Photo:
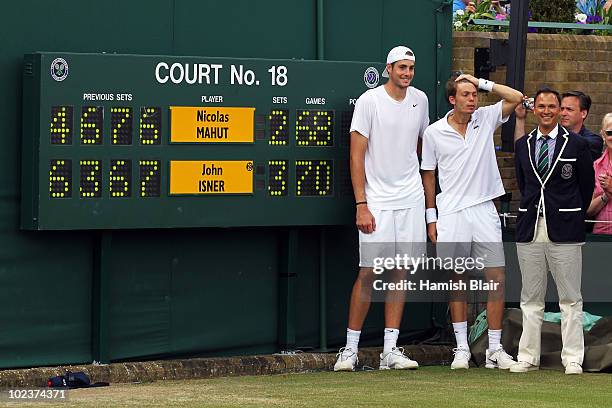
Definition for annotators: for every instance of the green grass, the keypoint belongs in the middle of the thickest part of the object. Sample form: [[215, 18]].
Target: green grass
[[437, 387]]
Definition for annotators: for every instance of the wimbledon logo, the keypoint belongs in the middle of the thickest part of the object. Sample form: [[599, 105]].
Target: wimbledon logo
[[370, 77], [59, 69]]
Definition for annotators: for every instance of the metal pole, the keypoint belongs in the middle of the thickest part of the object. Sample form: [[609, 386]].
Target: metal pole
[[287, 276], [322, 291], [100, 299], [515, 74], [322, 238], [444, 49], [320, 31]]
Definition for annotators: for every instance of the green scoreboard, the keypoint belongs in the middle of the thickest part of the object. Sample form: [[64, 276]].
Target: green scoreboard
[[124, 141]]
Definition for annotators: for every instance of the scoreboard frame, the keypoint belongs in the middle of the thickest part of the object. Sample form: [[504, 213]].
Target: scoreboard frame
[[298, 154]]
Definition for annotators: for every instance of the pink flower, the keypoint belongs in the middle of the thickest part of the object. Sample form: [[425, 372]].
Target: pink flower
[[500, 17]]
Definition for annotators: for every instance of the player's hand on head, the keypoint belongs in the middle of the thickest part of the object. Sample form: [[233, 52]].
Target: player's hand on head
[[468, 77], [365, 220]]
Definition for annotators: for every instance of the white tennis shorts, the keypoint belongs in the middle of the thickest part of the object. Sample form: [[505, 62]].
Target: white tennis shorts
[[398, 233], [472, 232]]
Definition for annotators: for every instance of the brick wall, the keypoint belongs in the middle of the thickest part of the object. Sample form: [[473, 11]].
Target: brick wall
[[564, 62]]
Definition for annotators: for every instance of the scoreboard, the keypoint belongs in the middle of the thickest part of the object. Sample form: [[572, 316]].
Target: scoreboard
[[125, 141]]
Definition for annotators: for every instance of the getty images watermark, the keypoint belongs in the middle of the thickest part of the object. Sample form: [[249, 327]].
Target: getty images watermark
[[472, 271], [413, 264], [426, 277]]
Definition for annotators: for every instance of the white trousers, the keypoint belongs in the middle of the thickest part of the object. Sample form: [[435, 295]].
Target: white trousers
[[565, 263]]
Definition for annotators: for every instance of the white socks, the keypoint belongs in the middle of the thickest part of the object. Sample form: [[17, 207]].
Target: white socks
[[461, 336], [460, 330], [352, 339], [391, 336], [494, 339]]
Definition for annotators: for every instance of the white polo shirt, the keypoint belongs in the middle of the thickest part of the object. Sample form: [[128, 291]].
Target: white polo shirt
[[393, 181], [467, 167]]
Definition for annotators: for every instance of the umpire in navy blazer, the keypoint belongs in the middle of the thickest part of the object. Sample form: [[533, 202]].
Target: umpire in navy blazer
[[567, 188], [555, 174]]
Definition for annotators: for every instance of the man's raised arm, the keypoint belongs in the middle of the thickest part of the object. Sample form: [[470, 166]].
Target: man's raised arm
[[511, 97]]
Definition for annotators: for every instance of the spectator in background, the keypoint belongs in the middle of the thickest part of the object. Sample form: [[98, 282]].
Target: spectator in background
[[466, 5], [499, 8], [575, 106], [520, 113], [470, 6], [601, 208]]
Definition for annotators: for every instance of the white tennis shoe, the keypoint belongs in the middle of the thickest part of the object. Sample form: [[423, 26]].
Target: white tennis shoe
[[397, 360], [499, 359], [347, 360], [462, 359]]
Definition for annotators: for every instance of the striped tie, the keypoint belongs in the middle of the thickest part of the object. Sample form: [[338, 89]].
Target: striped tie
[[543, 157]]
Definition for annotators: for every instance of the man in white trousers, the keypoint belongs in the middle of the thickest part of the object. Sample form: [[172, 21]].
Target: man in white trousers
[[555, 175]]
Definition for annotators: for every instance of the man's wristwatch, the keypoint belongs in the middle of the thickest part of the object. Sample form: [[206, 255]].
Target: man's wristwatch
[[604, 198]]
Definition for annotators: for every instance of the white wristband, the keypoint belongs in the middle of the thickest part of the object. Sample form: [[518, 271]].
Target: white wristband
[[485, 84], [431, 215]]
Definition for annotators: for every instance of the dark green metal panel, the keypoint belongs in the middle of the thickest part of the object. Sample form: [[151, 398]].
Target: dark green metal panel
[[100, 297], [191, 292], [353, 30], [444, 52], [231, 301], [140, 295], [307, 301], [246, 28], [45, 298], [46, 279], [361, 30]]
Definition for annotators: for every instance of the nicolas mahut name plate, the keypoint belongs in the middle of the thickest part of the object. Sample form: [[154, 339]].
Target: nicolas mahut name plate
[[207, 124]]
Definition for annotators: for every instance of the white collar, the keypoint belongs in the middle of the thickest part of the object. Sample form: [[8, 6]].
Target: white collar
[[450, 127], [553, 133]]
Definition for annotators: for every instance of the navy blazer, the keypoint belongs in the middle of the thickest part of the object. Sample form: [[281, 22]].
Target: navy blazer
[[595, 142], [563, 195]]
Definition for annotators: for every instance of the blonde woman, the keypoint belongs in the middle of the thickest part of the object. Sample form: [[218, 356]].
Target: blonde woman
[[601, 206]]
